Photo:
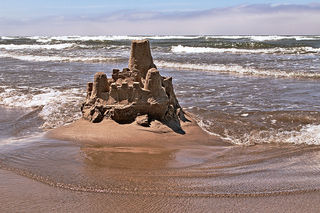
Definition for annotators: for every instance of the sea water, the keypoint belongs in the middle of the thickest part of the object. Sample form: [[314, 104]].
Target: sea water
[[259, 93]]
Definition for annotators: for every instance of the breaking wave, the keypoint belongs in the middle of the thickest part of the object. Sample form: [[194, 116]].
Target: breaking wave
[[278, 50], [309, 135], [279, 127], [237, 69], [106, 38], [58, 107], [162, 37], [267, 38], [60, 58], [36, 46]]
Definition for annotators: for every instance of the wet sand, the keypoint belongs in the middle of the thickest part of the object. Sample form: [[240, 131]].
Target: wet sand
[[108, 132], [107, 167], [21, 194]]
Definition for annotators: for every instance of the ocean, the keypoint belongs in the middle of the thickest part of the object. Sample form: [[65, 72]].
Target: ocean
[[261, 94]]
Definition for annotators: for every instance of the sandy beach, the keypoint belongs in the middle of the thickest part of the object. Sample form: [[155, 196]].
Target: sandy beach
[[249, 143], [39, 197]]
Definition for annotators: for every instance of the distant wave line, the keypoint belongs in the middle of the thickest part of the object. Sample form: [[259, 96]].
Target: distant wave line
[[60, 58], [291, 50], [237, 69], [46, 39]]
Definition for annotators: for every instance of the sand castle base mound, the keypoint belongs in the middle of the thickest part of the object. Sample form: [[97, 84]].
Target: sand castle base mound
[[111, 133]]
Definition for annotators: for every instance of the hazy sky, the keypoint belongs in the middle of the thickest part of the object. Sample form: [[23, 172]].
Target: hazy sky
[[125, 17]]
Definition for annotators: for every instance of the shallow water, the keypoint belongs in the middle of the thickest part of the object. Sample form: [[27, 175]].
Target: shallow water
[[191, 170], [260, 93], [243, 88]]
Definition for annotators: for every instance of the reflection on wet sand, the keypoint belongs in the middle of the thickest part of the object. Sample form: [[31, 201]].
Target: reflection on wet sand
[[190, 170], [38, 197]]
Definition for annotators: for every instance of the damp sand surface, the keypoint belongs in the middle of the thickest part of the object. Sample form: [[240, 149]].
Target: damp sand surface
[[38, 197], [72, 169], [109, 132]]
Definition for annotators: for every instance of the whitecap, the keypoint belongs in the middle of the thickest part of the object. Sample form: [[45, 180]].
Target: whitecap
[[308, 134], [237, 69], [7, 38], [58, 58], [295, 50], [45, 39], [262, 38], [54, 103], [36, 46]]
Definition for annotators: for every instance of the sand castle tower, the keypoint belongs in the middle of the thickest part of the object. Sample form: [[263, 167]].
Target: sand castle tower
[[133, 93], [140, 57]]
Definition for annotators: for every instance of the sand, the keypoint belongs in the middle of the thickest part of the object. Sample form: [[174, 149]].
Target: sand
[[20, 194], [108, 132], [123, 154]]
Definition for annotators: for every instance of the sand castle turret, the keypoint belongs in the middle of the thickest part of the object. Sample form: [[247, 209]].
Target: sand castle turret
[[100, 86], [140, 57], [136, 91]]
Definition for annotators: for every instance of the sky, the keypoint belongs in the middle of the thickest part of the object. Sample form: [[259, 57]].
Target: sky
[[155, 17]]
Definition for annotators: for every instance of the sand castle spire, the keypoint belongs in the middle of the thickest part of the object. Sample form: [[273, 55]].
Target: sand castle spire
[[136, 91], [140, 57]]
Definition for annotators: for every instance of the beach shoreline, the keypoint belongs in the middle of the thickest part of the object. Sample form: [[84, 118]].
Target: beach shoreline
[[253, 145], [37, 196]]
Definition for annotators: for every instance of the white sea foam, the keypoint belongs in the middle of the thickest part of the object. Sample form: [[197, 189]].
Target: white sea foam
[[54, 103], [45, 39], [226, 37], [258, 38], [7, 38], [309, 134], [167, 37], [237, 69], [295, 50], [266, 38], [275, 38], [269, 38], [57, 58], [35, 46], [13, 98]]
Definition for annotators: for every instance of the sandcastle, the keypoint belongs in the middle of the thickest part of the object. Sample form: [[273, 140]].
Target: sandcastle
[[135, 94]]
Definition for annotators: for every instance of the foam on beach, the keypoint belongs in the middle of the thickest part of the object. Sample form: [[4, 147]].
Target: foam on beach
[[307, 135]]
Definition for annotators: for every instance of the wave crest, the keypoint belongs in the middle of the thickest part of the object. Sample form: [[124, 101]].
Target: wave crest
[[60, 58], [53, 103], [278, 50], [237, 69], [45, 39], [36, 46]]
